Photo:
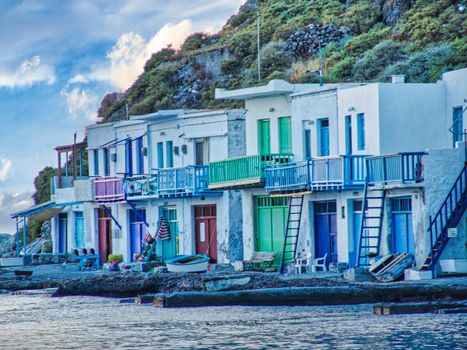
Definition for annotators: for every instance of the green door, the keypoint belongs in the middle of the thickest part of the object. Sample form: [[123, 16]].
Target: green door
[[160, 155], [270, 223], [285, 135], [168, 248], [264, 140]]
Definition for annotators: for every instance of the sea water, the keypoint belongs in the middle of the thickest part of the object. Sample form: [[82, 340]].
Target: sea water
[[103, 323]]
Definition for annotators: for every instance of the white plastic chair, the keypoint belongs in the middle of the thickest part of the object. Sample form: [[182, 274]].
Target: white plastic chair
[[300, 262], [319, 263]]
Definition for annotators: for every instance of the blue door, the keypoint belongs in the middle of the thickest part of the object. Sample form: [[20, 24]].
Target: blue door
[[79, 229], [137, 229], [62, 232], [402, 232], [355, 234], [128, 158], [324, 137], [325, 230]]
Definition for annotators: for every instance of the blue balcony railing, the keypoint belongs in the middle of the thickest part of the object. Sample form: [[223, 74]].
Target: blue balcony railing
[[174, 182], [400, 167], [326, 173]]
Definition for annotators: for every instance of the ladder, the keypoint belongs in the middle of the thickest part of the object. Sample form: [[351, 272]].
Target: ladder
[[371, 224], [292, 231], [448, 216]]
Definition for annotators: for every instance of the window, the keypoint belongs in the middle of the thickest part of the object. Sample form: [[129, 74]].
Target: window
[[361, 131], [129, 158], [457, 127], [139, 155], [169, 147], [307, 143], [323, 136], [201, 152], [96, 162], [106, 162], [264, 143], [160, 155], [348, 134], [285, 135]]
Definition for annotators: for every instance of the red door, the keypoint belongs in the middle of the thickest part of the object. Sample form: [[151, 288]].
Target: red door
[[105, 235], [206, 231]]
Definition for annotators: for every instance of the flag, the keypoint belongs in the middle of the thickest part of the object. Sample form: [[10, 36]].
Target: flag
[[163, 230], [148, 238]]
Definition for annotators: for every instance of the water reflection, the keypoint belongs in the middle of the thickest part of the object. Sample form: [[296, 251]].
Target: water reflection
[[100, 323]]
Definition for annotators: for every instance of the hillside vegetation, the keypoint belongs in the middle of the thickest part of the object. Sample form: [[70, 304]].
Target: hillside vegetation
[[355, 40]]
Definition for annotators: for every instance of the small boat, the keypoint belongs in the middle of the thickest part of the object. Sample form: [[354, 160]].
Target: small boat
[[188, 263]]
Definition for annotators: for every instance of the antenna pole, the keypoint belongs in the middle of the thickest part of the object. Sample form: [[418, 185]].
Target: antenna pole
[[258, 41]]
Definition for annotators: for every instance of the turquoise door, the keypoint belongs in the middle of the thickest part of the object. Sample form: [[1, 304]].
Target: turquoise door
[[79, 229], [169, 248], [355, 232], [402, 232], [324, 137]]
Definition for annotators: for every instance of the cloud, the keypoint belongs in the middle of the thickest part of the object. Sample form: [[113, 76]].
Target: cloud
[[100, 73], [81, 102], [10, 203], [30, 72], [5, 167], [128, 56]]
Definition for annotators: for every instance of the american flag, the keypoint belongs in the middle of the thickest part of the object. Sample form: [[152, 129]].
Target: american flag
[[163, 230]]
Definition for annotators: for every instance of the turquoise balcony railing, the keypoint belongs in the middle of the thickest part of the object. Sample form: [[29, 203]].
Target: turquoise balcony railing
[[317, 174], [243, 171]]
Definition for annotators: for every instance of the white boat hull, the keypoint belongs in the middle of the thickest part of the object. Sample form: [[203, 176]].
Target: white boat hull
[[201, 266]]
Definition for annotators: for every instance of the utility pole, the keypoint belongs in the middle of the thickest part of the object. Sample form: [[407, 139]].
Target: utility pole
[[258, 41]]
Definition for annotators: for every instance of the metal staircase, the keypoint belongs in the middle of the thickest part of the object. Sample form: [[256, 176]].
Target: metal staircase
[[371, 224], [292, 231], [448, 216]]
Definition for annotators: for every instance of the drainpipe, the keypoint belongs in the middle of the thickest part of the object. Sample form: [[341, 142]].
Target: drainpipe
[[17, 238], [25, 234]]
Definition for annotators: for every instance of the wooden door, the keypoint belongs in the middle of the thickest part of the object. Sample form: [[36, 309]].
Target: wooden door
[[264, 142], [79, 230], [137, 230], [168, 248], [62, 233], [285, 135], [105, 235], [402, 231], [206, 231], [326, 230]]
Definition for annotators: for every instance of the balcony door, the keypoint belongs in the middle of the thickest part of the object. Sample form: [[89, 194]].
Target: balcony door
[[129, 158], [264, 136], [285, 135], [323, 130], [202, 152]]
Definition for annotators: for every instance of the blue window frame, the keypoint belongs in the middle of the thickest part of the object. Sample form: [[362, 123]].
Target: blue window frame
[[323, 137], [160, 155], [457, 125], [96, 162], [128, 158], [169, 148], [361, 131], [139, 155], [348, 134], [106, 162]]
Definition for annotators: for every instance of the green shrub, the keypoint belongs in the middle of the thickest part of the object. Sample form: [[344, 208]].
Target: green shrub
[[115, 257], [424, 66], [274, 58], [363, 42], [361, 16], [230, 65], [377, 59], [195, 41]]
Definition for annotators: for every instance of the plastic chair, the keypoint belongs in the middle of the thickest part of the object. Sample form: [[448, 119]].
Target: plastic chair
[[319, 263], [299, 263]]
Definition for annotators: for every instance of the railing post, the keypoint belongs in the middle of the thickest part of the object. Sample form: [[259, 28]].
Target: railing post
[[384, 170], [402, 168]]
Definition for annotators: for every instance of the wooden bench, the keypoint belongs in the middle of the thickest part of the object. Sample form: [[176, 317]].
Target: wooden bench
[[259, 261]]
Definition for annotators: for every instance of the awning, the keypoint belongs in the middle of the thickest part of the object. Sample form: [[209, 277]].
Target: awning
[[40, 212]]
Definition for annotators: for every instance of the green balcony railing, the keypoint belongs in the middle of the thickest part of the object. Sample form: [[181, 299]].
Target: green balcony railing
[[243, 171]]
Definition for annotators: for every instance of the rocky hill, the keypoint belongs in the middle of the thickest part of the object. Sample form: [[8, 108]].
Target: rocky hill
[[354, 40]]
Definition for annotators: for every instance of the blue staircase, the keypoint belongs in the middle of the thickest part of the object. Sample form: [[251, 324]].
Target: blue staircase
[[292, 231], [371, 224], [448, 216]]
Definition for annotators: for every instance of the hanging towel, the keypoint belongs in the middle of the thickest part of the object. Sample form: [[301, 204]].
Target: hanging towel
[[163, 230]]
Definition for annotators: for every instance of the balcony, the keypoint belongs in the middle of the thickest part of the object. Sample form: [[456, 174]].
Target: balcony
[[243, 171], [65, 192], [317, 174], [396, 168], [108, 190], [168, 183]]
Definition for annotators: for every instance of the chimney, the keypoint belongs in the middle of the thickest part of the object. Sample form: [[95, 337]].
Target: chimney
[[398, 79]]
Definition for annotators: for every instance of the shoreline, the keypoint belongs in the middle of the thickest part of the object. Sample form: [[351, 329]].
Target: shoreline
[[257, 288]]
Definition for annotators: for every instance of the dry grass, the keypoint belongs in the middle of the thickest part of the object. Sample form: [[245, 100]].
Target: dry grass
[[300, 68]]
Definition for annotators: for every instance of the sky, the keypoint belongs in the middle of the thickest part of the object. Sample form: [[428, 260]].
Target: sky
[[57, 61]]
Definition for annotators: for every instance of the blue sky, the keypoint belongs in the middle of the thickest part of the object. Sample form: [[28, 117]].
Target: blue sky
[[58, 60]]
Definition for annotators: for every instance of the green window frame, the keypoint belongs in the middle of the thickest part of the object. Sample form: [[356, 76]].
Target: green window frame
[[361, 131], [285, 135], [160, 155]]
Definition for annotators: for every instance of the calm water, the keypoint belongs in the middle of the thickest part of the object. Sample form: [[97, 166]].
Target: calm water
[[101, 323]]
